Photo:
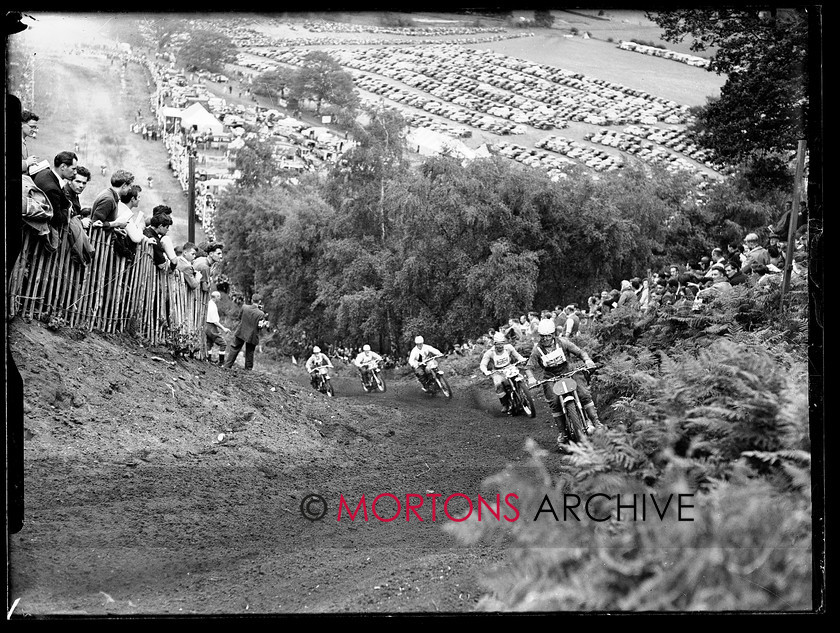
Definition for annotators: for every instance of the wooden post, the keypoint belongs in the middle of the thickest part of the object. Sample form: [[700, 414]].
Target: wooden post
[[191, 199], [793, 219]]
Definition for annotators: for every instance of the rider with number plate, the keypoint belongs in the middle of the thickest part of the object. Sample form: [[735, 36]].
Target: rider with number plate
[[550, 357], [500, 355], [419, 354], [365, 357], [314, 362]]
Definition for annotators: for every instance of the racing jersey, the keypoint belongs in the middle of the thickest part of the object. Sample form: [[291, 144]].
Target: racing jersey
[[366, 357], [502, 359], [317, 360], [420, 354], [555, 359]]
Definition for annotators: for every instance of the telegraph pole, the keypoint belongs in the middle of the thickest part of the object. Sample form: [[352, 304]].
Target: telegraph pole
[[191, 197]]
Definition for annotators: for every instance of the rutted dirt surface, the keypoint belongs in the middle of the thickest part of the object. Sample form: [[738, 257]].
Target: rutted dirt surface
[[134, 506]]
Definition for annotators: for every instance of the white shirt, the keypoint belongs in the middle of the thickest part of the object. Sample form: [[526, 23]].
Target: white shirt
[[213, 313], [418, 354]]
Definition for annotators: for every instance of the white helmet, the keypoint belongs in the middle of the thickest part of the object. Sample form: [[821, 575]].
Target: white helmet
[[418, 340], [366, 348], [498, 337], [545, 327], [316, 350]]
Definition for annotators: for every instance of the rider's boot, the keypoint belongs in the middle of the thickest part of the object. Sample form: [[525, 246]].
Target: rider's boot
[[505, 400], [592, 414]]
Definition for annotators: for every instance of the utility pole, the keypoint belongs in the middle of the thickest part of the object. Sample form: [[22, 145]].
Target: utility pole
[[191, 197]]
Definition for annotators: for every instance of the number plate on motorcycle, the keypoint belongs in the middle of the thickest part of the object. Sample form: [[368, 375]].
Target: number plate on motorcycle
[[564, 386]]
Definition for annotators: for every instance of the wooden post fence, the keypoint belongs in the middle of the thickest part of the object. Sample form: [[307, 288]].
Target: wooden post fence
[[112, 294]]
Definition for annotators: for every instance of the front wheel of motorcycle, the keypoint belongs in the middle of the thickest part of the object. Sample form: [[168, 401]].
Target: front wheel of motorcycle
[[574, 425], [380, 382], [441, 381], [527, 401]]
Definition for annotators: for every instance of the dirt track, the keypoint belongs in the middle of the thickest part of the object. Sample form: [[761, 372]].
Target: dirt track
[[132, 506]]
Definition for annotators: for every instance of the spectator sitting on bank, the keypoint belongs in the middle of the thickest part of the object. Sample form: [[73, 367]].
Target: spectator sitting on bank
[[719, 285], [628, 295], [756, 253], [734, 274]]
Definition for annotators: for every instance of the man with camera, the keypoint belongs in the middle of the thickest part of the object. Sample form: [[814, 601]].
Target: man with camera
[[247, 333]]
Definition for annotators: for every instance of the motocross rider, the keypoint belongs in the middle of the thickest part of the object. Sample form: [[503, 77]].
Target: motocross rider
[[550, 358], [500, 355], [314, 362], [420, 353], [366, 356]]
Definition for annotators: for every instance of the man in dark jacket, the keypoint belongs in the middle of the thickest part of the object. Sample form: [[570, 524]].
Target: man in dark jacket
[[247, 333], [734, 275], [52, 181], [104, 209]]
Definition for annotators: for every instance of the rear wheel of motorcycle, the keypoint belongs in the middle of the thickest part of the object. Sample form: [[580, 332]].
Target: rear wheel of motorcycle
[[329, 391], [380, 382], [440, 379], [527, 401], [574, 425]]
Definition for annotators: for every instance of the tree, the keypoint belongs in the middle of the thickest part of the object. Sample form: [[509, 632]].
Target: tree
[[273, 83], [256, 163], [207, 50], [763, 106], [161, 30], [322, 79]]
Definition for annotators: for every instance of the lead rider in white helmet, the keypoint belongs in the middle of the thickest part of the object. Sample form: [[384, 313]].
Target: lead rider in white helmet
[[419, 354], [500, 355], [365, 357], [550, 357], [314, 362]]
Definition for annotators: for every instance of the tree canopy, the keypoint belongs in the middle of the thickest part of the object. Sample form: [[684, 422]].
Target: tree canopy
[[322, 79], [207, 50], [763, 106]]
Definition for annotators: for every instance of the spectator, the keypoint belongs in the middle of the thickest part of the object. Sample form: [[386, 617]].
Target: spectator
[[718, 257], [209, 265], [53, 181], [73, 189], [644, 294], [572, 326], [166, 241], [719, 285], [213, 329], [105, 207], [764, 276], [774, 250], [28, 129], [734, 274], [158, 227], [185, 267], [247, 333], [129, 212], [755, 254], [628, 295]]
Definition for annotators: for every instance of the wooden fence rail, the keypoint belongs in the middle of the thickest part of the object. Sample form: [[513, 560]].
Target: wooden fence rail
[[111, 294]]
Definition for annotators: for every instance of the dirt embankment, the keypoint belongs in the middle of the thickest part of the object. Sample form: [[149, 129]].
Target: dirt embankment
[[161, 487]]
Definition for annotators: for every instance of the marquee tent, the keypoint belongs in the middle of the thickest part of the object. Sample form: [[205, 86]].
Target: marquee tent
[[196, 114]]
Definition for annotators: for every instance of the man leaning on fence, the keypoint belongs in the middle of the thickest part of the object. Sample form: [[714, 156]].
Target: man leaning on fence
[[105, 208]]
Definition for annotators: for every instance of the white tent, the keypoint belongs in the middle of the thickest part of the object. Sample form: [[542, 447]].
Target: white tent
[[428, 142], [196, 114]]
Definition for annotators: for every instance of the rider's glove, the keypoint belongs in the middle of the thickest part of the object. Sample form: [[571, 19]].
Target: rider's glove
[[532, 382], [486, 373], [590, 364]]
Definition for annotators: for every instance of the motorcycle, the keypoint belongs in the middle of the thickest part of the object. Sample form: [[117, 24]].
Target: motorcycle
[[519, 398], [434, 380], [371, 376], [565, 388], [323, 382]]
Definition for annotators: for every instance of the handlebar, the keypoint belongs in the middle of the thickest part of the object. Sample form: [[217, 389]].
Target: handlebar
[[430, 358], [568, 374], [521, 362]]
